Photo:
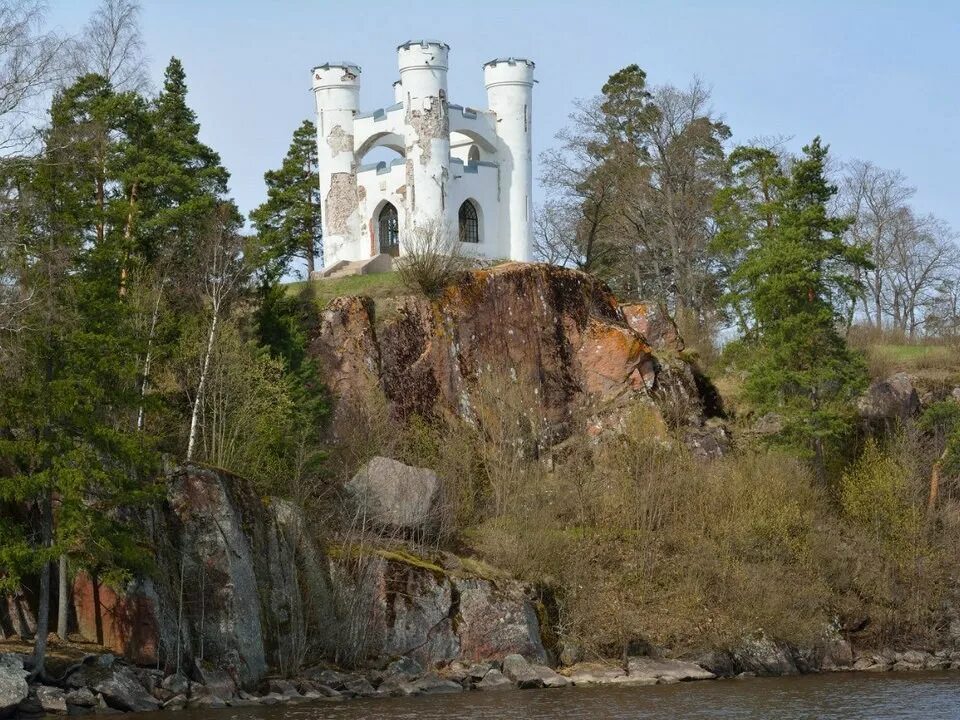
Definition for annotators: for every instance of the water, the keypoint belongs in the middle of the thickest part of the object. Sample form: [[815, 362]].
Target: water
[[852, 696]]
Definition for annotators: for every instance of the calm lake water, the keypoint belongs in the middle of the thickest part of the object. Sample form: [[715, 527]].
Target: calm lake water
[[848, 696]]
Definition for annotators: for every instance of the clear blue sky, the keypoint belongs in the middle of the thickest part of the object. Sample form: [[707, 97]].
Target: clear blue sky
[[879, 80]]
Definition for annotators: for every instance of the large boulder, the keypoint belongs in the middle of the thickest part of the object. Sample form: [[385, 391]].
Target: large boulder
[[495, 620], [666, 671], [116, 682], [13, 683], [396, 497], [889, 401], [765, 657]]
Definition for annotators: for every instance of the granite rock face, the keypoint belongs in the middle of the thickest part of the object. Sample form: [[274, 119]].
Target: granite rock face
[[557, 330], [235, 558], [390, 604]]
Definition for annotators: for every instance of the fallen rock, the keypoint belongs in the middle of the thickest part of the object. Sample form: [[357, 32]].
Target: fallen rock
[[178, 702], [550, 677], [597, 674], [394, 496], [216, 681], [176, 683], [117, 684], [399, 686], [764, 657], [208, 701], [478, 671], [837, 654], [433, 684], [517, 669], [404, 666], [494, 680], [456, 671], [53, 700], [13, 683], [666, 671], [889, 401], [279, 686], [81, 697]]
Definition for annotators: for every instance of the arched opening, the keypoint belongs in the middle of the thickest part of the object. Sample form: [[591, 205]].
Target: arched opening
[[469, 223], [473, 155], [388, 230]]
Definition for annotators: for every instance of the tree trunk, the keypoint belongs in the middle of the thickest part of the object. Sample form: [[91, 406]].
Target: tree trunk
[[819, 463], [145, 383], [201, 386], [127, 235], [16, 619], [43, 601], [63, 598]]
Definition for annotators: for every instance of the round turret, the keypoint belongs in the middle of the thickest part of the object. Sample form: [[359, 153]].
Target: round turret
[[509, 83], [508, 71], [423, 68], [336, 87]]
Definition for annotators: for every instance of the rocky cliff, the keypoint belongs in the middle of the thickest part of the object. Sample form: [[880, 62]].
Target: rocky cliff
[[240, 585], [558, 332]]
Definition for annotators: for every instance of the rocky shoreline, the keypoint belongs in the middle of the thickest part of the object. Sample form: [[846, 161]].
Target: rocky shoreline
[[108, 684]]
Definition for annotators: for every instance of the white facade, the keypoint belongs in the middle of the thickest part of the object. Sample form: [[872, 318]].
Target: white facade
[[470, 169]]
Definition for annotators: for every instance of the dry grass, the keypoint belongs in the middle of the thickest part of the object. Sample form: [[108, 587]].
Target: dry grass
[[640, 543]]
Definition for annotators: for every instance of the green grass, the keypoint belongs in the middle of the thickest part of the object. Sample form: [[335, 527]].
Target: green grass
[[911, 354], [378, 286]]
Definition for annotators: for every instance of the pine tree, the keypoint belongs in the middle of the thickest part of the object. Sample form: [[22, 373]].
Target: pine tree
[[65, 428], [792, 271], [184, 179], [288, 223]]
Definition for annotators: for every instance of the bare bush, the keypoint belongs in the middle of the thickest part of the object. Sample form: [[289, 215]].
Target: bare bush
[[432, 257]]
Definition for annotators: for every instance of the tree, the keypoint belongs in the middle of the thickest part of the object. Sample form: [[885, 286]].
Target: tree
[[288, 223], [922, 256], [793, 271], [633, 185], [65, 414], [667, 219], [112, 46], [584, 187], [29, 58], [222, 270], [875, 199]]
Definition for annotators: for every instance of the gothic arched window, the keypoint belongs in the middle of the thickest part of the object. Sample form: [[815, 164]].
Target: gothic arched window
[[473, 155], [388, 230], [469, 223]]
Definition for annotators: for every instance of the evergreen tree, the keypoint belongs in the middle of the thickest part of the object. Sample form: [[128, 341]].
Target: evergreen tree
[[288, 223], [65, 433], [184, 178], [792, 269]]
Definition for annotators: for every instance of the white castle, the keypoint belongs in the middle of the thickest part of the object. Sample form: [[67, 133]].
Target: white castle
[[468, 169]]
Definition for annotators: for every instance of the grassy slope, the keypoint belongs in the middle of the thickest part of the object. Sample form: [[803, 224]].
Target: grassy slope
[[376, 286]]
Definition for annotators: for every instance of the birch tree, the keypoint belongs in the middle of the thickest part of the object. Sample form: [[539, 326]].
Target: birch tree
[[222, 271]]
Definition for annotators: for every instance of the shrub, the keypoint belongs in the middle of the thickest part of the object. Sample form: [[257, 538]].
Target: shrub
[[432, 258]]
